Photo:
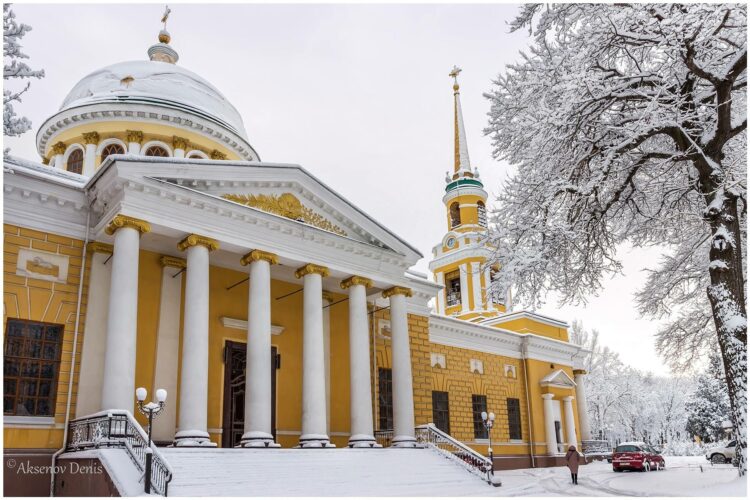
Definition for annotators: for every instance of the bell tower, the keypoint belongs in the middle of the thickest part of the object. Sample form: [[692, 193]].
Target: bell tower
[[459, 260]]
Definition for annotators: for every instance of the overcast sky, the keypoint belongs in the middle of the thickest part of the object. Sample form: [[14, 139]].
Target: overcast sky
[[358, 95]]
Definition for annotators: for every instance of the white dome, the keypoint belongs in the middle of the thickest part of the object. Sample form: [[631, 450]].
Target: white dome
[[156, 83]]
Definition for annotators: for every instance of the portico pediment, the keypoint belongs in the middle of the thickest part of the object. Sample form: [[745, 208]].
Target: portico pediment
[[557, 378]]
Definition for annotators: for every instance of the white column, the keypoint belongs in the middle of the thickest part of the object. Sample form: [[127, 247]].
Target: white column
[[403, 396], [95, 333], [58, 162], [258, 396], [135, 138], [118, 384], [327, 300], [193, 410], [488, 288], [179, 146], [313, 363], [476, 286], [462, 271], [583, 413], [168, 344], [440, 299], [570, 422], [360, 391], [549, 424]]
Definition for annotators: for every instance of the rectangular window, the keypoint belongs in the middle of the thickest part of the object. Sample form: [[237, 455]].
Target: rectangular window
[[385, 399], [514, 418], [440, 412], [453, 288], [32, 363], [479, 405]]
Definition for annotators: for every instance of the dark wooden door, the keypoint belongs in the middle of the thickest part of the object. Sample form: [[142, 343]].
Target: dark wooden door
[[235, 358]]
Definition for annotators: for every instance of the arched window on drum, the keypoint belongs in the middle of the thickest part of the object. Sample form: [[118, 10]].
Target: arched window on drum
[[75, 161], [482, 214], [455, 212], [112, 149], [157, 151]]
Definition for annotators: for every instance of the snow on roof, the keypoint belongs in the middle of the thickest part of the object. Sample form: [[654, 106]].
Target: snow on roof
[[36, 169]]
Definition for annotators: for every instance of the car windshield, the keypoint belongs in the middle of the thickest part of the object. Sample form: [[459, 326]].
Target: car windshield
[[627, 447]]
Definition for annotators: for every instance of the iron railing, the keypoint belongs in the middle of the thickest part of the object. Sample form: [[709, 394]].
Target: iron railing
[[595, 447], [432, 437], [384, 437], [118, 429]]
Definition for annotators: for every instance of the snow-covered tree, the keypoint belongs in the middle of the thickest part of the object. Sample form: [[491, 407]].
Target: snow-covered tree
[[627, 124], [708, 406], [14, 67]]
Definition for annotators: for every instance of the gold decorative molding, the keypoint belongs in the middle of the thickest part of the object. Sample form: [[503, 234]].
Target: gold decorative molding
[[98, 246], [134, 136], [196, 239], [218, 155], [169, 261], [40, 266], [269, 257], [121, 221], [356, 280], [90, 138], [579, 372], [286, 205], [328, 296], [45, 161], [180, 143], [397, 290], [311, 269], [58, 148]]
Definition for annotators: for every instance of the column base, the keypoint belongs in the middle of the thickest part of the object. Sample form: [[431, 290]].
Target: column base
[[257, 439], [405, 442], [363, 441], [314, 441], [193, 439]]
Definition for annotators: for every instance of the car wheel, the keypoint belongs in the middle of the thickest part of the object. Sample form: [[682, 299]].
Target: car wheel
[[616, 469], [718, 458]]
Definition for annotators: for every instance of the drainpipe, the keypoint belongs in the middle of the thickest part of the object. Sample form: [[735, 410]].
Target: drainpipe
[[524, 349], [73, 356]]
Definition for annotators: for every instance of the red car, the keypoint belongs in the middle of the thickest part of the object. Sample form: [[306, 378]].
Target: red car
[[636, 456]]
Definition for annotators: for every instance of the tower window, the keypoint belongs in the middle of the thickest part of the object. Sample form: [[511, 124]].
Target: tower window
[[75, 161], [455, 212], [453, 288], [482, 214], [514, 418], [112, 149], [441, 411], [479, 405], [157, 151]]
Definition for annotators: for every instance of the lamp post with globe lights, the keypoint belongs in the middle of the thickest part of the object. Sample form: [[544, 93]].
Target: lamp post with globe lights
[[150, 410], [488, 419]]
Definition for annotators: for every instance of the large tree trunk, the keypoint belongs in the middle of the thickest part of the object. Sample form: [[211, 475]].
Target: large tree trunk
[[727, 296]]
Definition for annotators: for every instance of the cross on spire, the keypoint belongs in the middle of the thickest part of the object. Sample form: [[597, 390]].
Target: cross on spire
[[454, 73], [164, 17]]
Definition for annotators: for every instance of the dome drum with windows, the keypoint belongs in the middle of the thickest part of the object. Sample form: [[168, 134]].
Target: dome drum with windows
[[151, 107]]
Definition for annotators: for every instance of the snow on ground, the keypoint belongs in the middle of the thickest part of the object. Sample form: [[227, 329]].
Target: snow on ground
[[394, 472]]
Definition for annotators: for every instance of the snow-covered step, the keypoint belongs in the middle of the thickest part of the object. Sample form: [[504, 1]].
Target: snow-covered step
[[319, 472]]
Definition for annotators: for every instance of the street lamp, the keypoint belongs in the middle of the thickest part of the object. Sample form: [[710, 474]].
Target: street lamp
[[150, 410], [488, 419]]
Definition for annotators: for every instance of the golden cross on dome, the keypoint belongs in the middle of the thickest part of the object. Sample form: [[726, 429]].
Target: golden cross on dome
[[164, 18], [454, 73]]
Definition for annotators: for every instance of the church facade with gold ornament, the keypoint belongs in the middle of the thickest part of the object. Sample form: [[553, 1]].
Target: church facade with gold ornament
[[152, 247]]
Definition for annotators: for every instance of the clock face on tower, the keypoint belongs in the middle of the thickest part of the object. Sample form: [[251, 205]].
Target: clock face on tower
[[451, 242]]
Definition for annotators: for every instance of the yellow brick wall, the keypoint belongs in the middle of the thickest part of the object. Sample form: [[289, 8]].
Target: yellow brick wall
[[39, 300]]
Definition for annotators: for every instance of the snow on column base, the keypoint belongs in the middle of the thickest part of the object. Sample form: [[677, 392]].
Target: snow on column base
[[193, 439], [257, 439], [405, 442], [363, 441], [314, 441]]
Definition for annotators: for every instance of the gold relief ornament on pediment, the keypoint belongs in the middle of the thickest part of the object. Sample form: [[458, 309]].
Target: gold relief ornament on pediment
[[286, 205]]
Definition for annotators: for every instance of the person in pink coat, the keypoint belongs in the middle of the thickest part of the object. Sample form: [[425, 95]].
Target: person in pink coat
[[572, 458]]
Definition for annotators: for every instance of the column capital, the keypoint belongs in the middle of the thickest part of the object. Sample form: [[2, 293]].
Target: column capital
[[568, 399], [217, 155], [549, 395], [90, 138], [169, 261], [254, 255], [580, 372], [192, 240], [311, 269], [58, 148], [328, 296], [134, 136], [397, 290], [355, 280], [98, 246], [121, 221], [180, 143]]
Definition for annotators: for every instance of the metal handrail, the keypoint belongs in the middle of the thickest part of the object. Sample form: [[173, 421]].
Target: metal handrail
[[384, 437], [119, 429], [433, 437]]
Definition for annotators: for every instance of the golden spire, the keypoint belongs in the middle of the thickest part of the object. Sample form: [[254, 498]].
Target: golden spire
[[162, 52], [461, 151], [164, 34]]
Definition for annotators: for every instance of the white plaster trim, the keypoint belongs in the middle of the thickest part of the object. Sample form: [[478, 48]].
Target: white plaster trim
[[197, 152], [160, 144], [464, 190], [504, 318], [215, 430], [241, 324], [111, 140], [22, 422], [68, 151]]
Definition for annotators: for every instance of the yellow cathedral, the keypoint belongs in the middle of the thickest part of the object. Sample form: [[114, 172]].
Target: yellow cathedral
[[150, 246]]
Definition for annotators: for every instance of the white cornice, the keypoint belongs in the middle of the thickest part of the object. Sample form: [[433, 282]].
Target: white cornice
[[241, 324], [539, 318], [464, 191], [467, 252]]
